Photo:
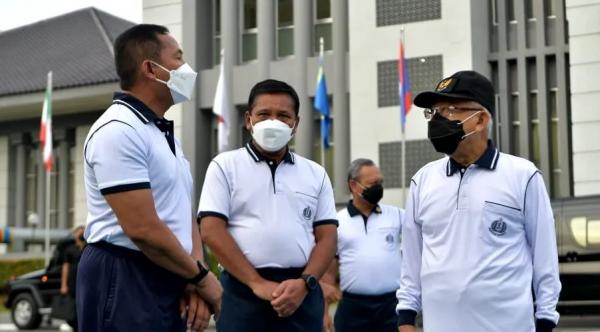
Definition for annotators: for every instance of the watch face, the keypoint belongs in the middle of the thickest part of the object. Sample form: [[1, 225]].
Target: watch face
[[311, 282]]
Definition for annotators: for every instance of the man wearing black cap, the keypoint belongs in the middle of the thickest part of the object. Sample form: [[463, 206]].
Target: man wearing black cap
[[479, 231]]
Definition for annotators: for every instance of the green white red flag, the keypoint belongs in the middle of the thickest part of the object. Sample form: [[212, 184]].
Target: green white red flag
[[46, 125]]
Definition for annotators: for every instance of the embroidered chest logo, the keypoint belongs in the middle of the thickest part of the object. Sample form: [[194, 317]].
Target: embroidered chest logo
[[389, 239], [307, 213], [498, 227]]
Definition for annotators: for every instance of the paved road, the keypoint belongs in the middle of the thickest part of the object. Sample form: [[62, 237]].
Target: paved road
[[568, 324]]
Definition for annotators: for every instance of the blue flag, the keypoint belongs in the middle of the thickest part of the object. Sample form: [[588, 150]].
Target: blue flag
[[321, 103]]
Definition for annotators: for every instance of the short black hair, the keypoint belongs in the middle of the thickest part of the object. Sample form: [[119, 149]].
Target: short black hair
[[133, 46], [271, 86]]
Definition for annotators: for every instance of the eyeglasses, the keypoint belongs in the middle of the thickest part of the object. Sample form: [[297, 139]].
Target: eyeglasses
[[449, 111]]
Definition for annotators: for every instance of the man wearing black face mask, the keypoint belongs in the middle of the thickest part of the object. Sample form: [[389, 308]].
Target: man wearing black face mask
[[368, 254], [479, 231]]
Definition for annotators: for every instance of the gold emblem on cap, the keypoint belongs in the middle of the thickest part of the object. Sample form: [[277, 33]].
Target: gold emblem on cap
[[443, 84]]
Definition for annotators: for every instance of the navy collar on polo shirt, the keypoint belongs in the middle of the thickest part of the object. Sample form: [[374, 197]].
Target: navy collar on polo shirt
[[354, 211], [145, 114], [258, 156], [488, 160]]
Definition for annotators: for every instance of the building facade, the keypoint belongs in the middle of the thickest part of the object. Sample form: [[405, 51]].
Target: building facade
[[538, 54]]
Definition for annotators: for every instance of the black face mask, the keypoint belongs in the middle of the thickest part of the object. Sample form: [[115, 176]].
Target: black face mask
[[444, 134], [373, 194]]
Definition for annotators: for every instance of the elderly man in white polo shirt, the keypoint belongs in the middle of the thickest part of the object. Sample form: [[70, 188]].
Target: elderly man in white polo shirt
[[144, 252], [268, 215], [369, 255], [479, 231]]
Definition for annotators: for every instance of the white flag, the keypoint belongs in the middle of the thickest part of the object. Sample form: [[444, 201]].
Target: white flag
[[221, 108]]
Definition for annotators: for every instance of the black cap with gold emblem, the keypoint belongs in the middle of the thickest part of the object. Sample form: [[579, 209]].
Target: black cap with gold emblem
[[465, 85]]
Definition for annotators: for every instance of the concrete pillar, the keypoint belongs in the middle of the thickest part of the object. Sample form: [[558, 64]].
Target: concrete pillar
[[230, 33], [63, 163], [197, 23], [341, 112], [4, 176], [266, 37], [302, 50], [19, 141]]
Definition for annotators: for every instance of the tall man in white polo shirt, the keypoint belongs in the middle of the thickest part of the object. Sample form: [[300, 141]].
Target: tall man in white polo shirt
[[268, 215], [479, 231], [369, 254], [143, 242]]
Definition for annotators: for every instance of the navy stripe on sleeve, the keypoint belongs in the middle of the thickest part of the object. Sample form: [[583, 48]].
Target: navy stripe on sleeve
[[325, 222], [544, 325], [125, 187], [203, 214], [407, 317]]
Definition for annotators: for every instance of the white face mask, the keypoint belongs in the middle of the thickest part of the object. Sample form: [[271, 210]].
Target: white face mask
[[181, 82], [271, 135]]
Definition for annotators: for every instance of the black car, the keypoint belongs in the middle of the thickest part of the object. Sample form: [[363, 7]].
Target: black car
[[30, 295], [578, 237]]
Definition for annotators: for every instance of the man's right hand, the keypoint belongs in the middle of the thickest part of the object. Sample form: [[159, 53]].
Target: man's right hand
[[407, 328], [210, 290], [264, 289]]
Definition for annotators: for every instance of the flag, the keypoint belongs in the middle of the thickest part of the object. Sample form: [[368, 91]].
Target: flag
[[221, 108], [403, 87], [46, 125], [321, 102]]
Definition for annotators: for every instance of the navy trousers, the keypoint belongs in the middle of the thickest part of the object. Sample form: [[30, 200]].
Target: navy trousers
[[120, 289], [242, 311], [373, 313]]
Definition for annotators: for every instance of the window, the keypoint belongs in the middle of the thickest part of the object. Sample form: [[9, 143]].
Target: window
[[586, 232], [323, 21], [217, 32], [529, 12], [423, 72], [418, 153], [391, 12], [31, 179], [510, 11], [513, 89], [549, 8], [249, 38], [285, 28]]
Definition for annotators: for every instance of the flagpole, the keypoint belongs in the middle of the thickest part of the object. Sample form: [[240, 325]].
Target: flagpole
[[403, 134], [47, 220], [321, 43], [47, 205]]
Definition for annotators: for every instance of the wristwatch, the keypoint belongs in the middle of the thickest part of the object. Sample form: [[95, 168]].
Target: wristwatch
[[310, 281], [203, 273]]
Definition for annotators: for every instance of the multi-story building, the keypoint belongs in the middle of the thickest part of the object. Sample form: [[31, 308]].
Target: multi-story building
[[538, 53]]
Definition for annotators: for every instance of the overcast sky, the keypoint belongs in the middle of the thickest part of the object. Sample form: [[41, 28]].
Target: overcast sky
[[16, 13]]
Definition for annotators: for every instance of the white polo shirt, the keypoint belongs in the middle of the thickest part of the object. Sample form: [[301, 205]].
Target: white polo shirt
[[270, 209], [369, 250], [126, 150], [475, 241]]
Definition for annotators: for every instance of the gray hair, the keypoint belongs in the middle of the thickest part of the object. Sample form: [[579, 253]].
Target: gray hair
[[356, 165]]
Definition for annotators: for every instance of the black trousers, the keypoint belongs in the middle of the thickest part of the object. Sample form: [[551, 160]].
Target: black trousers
[[373, 313], [120, 289], [242, 311]]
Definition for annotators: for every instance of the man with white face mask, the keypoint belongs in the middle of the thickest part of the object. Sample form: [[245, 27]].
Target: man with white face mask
[[478, 240], [269, 217], [143, 268]]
